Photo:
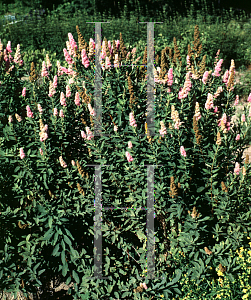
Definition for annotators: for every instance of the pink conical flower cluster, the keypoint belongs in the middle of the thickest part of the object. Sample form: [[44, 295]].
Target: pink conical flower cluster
[[39, 107], [55, 112], [209, 103], [19, 119], [60, 72], [187, 87], [238, 137], [170, 77], [218, 68], [72, 42], [67, 56], [61, 113], [162, 131], [29, 112], [24, 92], [175, 118], [62, 162], [182, 151], [103, 52], [236, 100], [107, 63], [62, 99], [77, 99], [89, 134], [115, 128], [129, 144], [8, 47], [85, 60], [205, 77], [116, 61], [55, 81], [10, 119], [41, 151], [249, 98], [237, 168], [128, 156], [52, 90], [225, 77], [68, 92], [22, 155], [224, 123], [43, 133], [91, 47], [17, 57], [132, 120], [44, 72], [91, 110]]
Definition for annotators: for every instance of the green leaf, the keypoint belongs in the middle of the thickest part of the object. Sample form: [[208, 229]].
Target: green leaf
[[55, 251], [67, 240], [75, 276], [200, 189]]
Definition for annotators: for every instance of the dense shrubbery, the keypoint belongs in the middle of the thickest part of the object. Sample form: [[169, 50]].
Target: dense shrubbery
[[202, 189]]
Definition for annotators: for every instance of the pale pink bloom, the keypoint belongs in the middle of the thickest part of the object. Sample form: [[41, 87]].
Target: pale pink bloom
[[219, 90], [236, 100], [61, 113], [107, 63], [62, 99], [68, 91], [67, 56], [51, 90], [8, 47], [130, 144], [209, 103], [162, 131], [44, 70], [10, 119], [29, 112], [19, 119], [22, 155], [237, 137], [116, 61], [224, 118], [170, 77], [205, 76], [59, 69], [85, 60], [24, 92], [83, 85], [45, 127], [71, 81], [55, 112], [62, 163], [103, 52], [41, 151], [144, 285], [83, 135], [73, 162], [249, 98], [182, 151], [225, 76], [109, 46], [237, 168], [72, 41], [89, 133], [215, 109], [39, 107], [55, 81], [115, 128], [249, 115], [91, 110], [218, 68], [128, 156], [49, 65], [197, 111], [183, 92], [243, 118], [77, 99], [117, 44], [188, 60], [132, 120]]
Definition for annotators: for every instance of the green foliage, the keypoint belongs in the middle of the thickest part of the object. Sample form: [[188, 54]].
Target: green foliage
[[47, 208]]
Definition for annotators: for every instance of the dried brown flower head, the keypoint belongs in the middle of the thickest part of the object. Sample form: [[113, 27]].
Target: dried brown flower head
[[176, 53], [174, 191], [223, 187], [33, 75], [247, 159], [81, 42], [208, 252], [196, 130]]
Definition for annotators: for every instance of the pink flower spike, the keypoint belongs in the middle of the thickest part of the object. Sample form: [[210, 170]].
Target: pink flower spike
[[132, 120], [249, 98], [55, 81], [8, 47], [44, 72], [62, 99], [237, 137], [129, 157], [216, 109], [61, 113], [29, 112], [10, 119], [236, 100], [85, 60], [130, 144], [41, 151], [22, 155], [39, 107], [237, 168], [24, 92], [73, 163], [89, 133], [182, 151], [204, 78], [77, 99], [68, 91], [107, 63], [115, 128], [243, 118], [55, 112], [170, 77], [62, 163]]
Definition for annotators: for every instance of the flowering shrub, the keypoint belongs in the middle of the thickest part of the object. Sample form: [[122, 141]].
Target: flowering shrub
[[48, 142]]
